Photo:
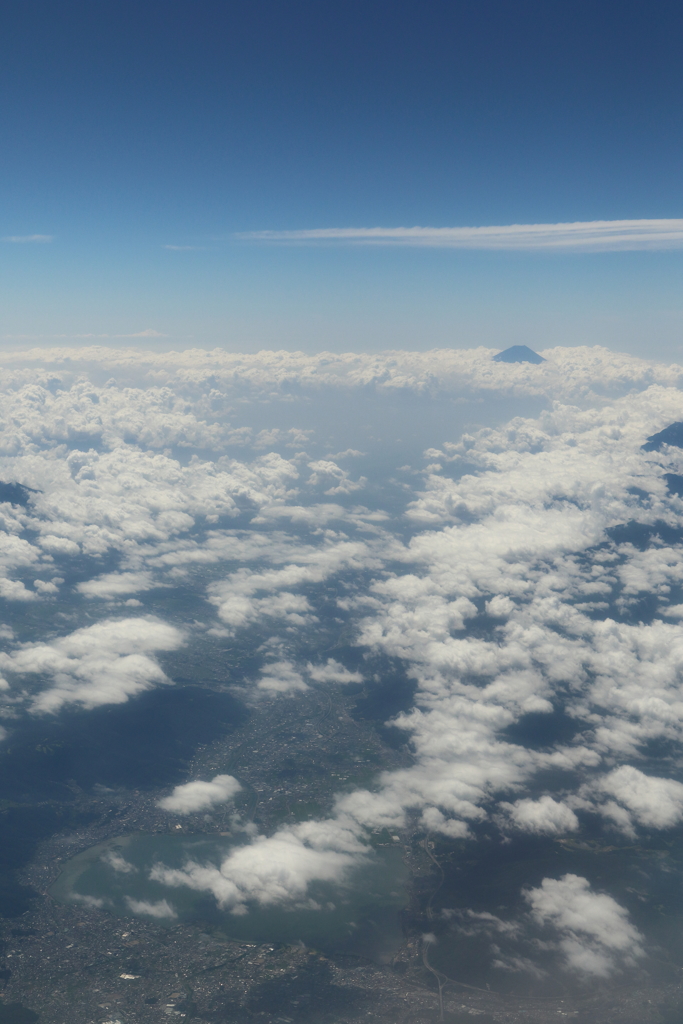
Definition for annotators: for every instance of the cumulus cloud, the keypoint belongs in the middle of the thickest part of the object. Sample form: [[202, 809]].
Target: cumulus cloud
[[160, 909], [14, 590], [116, 584], [434, 821], [281, 677], [332, 478], [48, 586], [88, 901], [238, 609], [274, 870], [248, 596], [500, 607], [596, 936], [332, 672], [645, 799], [102, 664], [581, 236], [59, 545], [200, 796], [118, 863], [544, 816]]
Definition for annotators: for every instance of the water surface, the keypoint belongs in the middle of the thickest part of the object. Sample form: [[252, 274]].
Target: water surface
[[360, 916]]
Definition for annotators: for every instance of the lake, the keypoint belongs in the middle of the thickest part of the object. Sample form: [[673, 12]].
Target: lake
[[360, 916]]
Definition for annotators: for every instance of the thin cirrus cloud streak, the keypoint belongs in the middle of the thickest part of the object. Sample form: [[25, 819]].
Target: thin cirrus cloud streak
[[149, 332], [580, 236], [28, 238]]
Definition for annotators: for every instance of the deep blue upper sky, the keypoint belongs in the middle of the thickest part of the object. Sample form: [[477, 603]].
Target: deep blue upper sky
[[127, 127]]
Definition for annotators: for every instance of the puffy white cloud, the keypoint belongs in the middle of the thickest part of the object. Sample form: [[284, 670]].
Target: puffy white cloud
[[333, 672], [596, 936], [116, 584], [118, 863], [153, 417], [16, 553], [545, 816], [479, 918], [48, 586], [274, 869], [651, 801], [500, 607], [381, 809], [238, 610], [58, 545], [199, 796], [142, 504], [434, 821], [281, 677], [651, 572], [332, 478], [14, 590], [160, 909], [88, 901], [248, 595], [636, 683], [101, 664]]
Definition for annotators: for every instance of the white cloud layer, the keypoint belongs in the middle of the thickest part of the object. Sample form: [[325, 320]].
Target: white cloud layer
[[503, 579], [185, 397]]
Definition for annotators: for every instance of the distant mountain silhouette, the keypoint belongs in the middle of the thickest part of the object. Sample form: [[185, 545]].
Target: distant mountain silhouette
[[673, 435], [518, 354]]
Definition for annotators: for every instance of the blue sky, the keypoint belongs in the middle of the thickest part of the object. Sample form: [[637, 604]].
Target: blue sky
[[127, 128]]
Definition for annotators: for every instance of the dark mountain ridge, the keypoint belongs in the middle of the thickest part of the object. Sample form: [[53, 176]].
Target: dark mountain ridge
[[673, 435]]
